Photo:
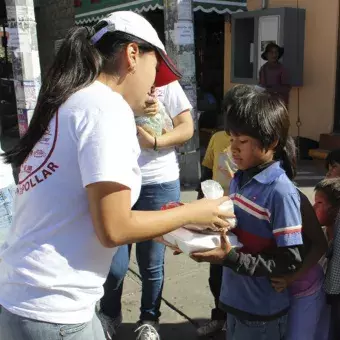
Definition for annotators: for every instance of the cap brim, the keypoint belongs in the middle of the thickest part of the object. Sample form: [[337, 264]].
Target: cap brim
[[167, 71]]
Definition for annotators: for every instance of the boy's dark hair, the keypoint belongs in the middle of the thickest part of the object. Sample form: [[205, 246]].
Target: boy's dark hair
[[332, 158], [77, 64], [252, 111], [331, 188]]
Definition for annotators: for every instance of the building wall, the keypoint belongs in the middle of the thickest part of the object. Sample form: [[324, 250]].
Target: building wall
[[315, 100], [54, 19]]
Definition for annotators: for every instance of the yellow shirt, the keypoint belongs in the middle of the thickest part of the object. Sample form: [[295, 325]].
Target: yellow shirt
[[218, 159]]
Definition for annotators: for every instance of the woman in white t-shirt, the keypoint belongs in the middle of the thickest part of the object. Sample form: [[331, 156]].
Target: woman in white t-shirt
[[160, 185], [78, 180]]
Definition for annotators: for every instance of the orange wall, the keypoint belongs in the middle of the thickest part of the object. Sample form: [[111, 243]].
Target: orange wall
[[316, 96]]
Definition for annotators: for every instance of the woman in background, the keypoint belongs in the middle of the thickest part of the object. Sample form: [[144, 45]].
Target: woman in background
[[273, 75]]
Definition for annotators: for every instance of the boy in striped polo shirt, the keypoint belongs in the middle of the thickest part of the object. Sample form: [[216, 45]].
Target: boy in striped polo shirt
[[267, 207]]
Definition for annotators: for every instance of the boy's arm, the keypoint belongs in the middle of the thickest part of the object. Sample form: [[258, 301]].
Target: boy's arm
[[280, 261], [287, 257], [315, 239]]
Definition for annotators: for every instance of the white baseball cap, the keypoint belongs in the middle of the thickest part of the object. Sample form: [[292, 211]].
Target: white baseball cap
[[134, 24]]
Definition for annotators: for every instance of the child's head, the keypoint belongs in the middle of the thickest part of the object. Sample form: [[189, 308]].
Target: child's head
[[327, 200], [333, 164], [258, 125], [272, 53]]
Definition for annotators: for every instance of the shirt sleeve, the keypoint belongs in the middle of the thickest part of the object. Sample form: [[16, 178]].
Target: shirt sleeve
[[278, 261], [175, 99], [286, 219], [107, 145], [208, 160]]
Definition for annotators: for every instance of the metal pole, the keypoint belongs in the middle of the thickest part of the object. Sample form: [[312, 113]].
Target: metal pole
[[23, 46], [180, 44]]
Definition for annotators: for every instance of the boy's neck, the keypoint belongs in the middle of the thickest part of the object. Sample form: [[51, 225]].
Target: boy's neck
[[248, 174], [261, 166]]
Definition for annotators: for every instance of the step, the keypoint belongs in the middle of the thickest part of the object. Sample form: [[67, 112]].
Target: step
[[318, 153]]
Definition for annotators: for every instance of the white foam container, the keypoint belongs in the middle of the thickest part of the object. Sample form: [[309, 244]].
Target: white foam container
[[190, 242]]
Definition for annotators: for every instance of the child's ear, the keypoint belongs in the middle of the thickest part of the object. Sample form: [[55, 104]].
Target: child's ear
[[274, 145]]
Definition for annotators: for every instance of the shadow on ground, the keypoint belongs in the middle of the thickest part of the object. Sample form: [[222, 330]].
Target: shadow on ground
[[169, 331]]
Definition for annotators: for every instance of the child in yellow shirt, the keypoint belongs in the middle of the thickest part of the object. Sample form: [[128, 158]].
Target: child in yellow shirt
[[218, 160], [217, 165]]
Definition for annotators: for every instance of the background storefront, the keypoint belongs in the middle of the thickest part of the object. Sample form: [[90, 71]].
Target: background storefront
[[312, 108]]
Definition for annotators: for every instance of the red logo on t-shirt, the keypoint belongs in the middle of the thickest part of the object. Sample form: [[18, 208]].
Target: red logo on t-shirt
[[39, 153], [38, 166]]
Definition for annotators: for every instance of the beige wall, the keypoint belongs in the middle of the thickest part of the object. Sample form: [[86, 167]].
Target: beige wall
[[316, 96]]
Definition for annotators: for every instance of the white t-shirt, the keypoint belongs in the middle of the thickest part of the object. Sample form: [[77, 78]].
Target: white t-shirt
[[6, 173], [162, 166], [52, 266]]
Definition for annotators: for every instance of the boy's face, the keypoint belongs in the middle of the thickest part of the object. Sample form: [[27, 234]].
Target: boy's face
[[323, 209], [247, 152], [333, 170]]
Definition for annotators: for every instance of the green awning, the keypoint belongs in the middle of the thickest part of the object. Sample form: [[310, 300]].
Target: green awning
[[91, 12], [219, 6]]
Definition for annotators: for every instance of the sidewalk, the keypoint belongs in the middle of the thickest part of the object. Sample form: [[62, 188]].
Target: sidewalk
[[186, 298]]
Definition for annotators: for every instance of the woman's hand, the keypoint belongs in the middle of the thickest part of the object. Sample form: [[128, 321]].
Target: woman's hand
[[207, 212], [146, 140], [151, 106], [215, 256], [175, 249]]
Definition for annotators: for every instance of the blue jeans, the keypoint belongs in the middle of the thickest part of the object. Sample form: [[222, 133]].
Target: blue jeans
[[14, 327], [150, 258], [6, 210], [255, 330]]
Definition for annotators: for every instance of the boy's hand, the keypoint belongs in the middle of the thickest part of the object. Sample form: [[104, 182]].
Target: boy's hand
[[282, 283], [215, 256]]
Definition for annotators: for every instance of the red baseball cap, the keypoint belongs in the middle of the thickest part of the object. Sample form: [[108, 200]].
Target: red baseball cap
[[134, 24]]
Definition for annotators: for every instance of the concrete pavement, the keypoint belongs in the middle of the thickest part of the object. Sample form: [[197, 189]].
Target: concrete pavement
[[186, 298]]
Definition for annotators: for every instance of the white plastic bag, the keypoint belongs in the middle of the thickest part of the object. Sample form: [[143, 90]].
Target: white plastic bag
[[190, 242], [157, 124], [213, 190]]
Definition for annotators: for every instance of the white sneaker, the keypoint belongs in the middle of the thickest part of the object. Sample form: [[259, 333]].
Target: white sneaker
[[147, 330], [211, 328], [110, 325]]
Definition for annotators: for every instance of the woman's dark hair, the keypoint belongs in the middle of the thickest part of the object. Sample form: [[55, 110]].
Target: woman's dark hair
[[252, 111], [330, 187], [77, 64], [332, 159]]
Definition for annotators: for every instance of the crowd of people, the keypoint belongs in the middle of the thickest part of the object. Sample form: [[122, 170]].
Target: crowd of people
[[92, 183]]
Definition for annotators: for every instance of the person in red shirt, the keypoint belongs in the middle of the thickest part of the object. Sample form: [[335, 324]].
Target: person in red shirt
[[273, 75]]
